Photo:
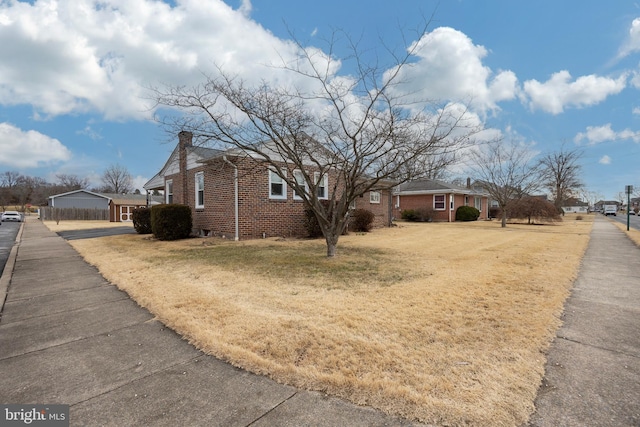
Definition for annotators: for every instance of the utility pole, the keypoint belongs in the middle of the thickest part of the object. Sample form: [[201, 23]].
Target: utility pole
[[628, 189]]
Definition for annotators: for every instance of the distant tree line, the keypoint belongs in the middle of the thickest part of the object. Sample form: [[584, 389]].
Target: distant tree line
[[23, 190]]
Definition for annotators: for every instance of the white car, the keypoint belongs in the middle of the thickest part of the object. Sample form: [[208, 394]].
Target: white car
[[11, 216]]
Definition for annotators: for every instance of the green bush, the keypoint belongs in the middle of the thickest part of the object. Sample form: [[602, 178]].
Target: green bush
[[142, 220], [409, 215], [171, 222], [418, 215], [362, 220], [467, 213]]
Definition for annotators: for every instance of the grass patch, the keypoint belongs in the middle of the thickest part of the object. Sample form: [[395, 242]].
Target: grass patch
[[302, 262], [442, 323]]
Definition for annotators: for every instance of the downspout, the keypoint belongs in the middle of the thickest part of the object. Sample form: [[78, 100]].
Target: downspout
[[235, 195]]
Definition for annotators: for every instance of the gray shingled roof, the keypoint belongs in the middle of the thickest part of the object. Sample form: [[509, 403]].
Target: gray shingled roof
[[432, 185]]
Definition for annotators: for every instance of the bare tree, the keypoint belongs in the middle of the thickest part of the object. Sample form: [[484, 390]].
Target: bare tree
[[69, 182], [591, 197], [30, 190], [117, 179], [360, 129], [560, 172], [10, 179], [507, 172]]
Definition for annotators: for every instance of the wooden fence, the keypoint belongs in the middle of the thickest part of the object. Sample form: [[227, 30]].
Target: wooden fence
[[73, 214]]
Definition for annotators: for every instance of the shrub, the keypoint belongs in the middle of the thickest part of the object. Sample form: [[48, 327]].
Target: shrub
[[409, 215], [579, 218], [467, 213], [311, 224], [142, 220], [362, 220], [171, 222], [418, 215]]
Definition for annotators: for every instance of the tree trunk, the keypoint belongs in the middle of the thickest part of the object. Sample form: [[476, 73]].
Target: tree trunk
[[332, 244], [504, 217]]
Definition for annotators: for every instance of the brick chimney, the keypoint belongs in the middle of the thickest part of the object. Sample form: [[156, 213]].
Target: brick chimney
[[185, 140], [468, 183]]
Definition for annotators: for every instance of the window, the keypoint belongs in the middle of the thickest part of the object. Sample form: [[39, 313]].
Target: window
[[322, 185], [168, 190], [477, 203], [277, 186], [374, 197], [199, 190], [438, 202], [298, 175]]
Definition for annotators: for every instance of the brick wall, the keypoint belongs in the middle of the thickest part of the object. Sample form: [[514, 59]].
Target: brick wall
[[380, 210]]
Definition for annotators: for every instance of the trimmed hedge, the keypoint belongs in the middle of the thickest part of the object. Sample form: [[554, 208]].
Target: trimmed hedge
[[467, 213], [171, 222], [418, 215], [142, 220]]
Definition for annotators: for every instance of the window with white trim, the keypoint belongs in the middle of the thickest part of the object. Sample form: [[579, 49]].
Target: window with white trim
[[168, 191], [298, 175], [277, 186], [199, 178], [477, 202], [439, 202], [322, 183], [374, 197]]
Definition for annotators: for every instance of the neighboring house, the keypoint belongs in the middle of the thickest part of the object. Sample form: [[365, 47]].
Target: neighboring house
[[441, 197], [120, 206], [575, 206], [235, 195]]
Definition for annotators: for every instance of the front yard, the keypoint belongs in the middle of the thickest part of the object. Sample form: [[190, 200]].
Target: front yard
[[443, 323]]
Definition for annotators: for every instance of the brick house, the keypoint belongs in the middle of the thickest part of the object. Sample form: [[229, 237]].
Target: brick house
[[234, 195], [441, 198]]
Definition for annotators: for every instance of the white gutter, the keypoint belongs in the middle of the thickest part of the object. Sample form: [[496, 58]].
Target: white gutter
[[235, 195]]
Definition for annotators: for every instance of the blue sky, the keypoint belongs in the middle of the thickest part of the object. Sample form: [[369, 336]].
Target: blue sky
[[74, 73]]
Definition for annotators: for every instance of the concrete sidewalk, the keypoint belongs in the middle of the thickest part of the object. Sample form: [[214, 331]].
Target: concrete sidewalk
[[68, 336], [593, 367]]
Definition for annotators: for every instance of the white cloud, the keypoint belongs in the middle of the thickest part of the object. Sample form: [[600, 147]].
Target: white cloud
[[605, 160], [29, 149], [70, 56], [597, 134], [559, 92], [449, 67], [246, 8], [632, 44]]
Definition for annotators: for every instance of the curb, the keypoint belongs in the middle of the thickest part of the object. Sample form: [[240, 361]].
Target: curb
[[7, 273]]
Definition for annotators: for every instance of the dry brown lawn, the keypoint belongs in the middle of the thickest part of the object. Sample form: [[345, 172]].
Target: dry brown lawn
[[83, 225], [633, 234], [442, 323]]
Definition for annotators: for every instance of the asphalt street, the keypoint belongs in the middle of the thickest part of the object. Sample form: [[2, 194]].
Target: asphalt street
[[8, 233], [634, 220]]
